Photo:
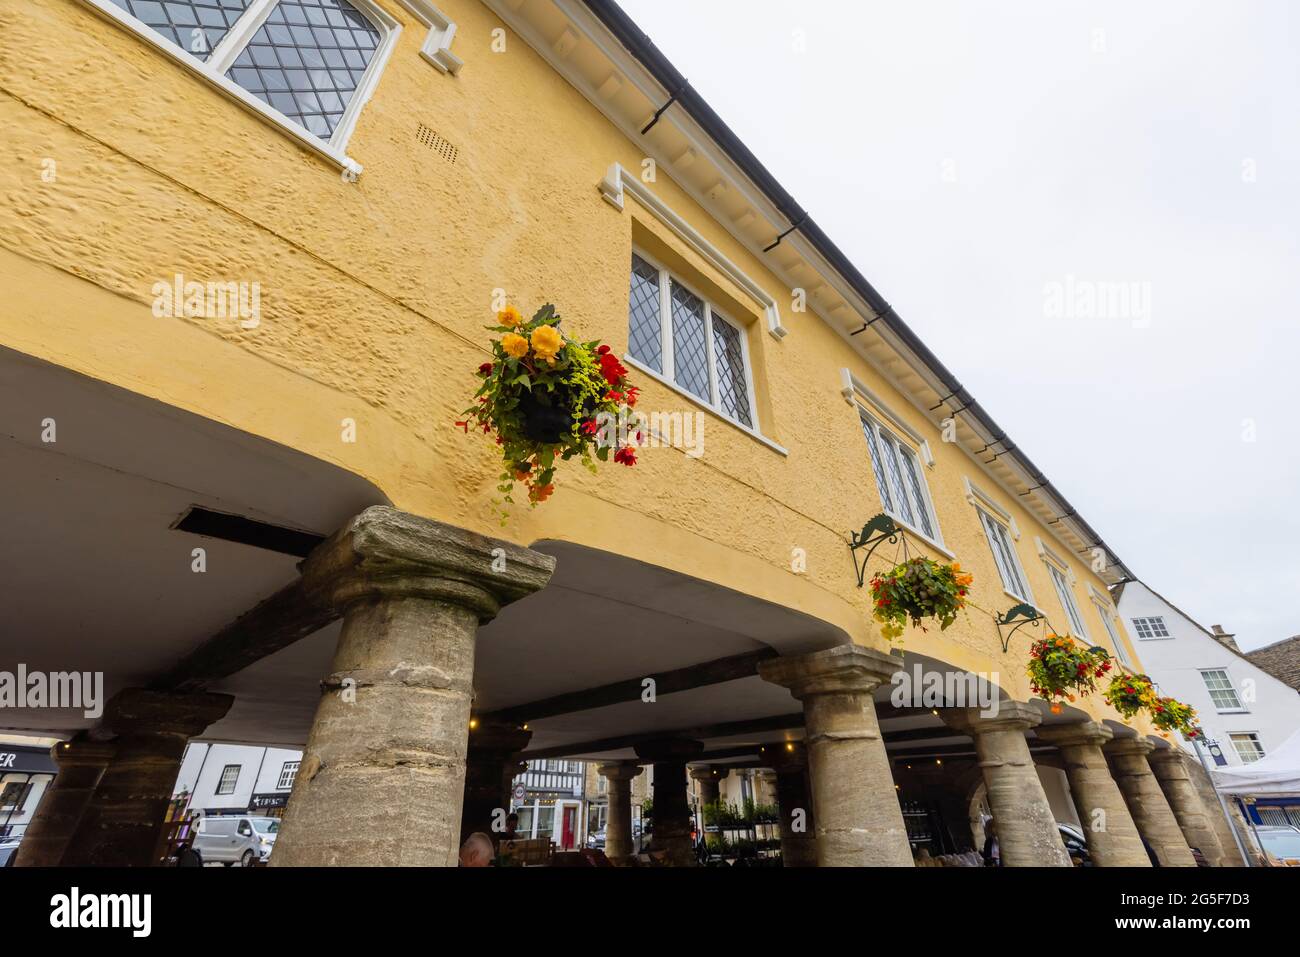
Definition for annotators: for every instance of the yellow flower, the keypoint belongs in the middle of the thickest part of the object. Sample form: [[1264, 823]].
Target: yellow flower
[[514, 345], [547, 342], [509, 316]]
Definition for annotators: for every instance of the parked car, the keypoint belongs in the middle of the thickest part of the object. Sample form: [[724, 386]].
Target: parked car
[[242, 840], [1281, 845], [8, 851]]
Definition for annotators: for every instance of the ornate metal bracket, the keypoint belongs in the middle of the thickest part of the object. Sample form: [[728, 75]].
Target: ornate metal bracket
[[1027, 615], [879, 529]]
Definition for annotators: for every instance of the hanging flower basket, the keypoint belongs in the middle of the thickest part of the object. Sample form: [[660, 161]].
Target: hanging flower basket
[[1170, 714], [1129, 694], [915, 590], [1061, 668], [546, 397]]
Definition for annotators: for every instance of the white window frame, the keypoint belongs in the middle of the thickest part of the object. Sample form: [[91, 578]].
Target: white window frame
[[290, 770], [1231, 688], [1063, 578], [1140, 624], [213, 70], [1108, 617], [667, 377], [883, 423], [234, 782], [987, 507], [1253, 736]]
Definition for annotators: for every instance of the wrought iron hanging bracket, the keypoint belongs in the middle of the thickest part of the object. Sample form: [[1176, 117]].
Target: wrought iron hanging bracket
[[879, 529], [1015, 618]]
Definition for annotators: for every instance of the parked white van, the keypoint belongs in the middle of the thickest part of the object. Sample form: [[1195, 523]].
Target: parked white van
[[242, 840]]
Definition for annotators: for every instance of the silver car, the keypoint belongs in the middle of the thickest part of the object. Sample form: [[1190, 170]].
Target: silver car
[[244, 840]]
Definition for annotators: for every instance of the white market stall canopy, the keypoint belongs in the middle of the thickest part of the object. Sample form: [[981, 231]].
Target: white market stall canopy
[[1277, 773]]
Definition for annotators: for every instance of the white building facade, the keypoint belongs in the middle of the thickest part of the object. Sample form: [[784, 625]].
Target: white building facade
[[1244, 711], [237, 778]]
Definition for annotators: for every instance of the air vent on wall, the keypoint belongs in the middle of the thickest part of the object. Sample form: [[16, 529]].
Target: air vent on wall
[[436, 142], [247, 531]]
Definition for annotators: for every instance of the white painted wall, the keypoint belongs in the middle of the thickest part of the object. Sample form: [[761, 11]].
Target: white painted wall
[[259, 773], [1175, 664]]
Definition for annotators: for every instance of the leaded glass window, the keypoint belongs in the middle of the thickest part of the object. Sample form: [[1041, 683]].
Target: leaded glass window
[[1004, 556], [1067, 600], [305, 59], [898, 478], [678, 334]]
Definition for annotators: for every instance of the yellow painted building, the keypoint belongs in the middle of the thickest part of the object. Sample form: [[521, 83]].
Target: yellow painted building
[[450, 158]]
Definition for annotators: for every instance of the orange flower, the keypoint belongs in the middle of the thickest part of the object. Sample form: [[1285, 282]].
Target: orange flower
[[514, 345], [547, 341], [509, 316]]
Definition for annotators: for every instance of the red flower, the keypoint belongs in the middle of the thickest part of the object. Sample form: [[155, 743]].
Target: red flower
[[625, 456], [611, 368], [602, 349], [465, 426], [589, 427], [485, 369]]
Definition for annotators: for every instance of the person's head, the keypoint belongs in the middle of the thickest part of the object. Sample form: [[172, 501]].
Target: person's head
[[512, 822], [477, 851]]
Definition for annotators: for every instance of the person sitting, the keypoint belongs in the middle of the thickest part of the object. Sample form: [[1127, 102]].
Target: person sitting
[[477, 851]]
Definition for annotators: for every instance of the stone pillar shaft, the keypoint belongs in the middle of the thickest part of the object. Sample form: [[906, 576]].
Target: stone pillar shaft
[[798, 826], [858, 819], [1168, 765], [1113, 839], [123, 820], [81, 763], [672, 812], [618, 822], [382, 779], [1026, 828], [1146, 802]]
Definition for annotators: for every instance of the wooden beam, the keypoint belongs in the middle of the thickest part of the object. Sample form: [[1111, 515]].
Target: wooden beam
[[712, 672], [289, 615], [780, 722]]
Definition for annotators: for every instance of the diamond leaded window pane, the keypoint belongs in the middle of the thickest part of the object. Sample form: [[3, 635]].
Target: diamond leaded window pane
[[193, 25], [644, 331], [733, 396], [307, 60], [877, 465], [690, 349]]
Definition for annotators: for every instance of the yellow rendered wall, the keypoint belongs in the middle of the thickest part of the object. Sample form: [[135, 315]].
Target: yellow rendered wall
[[374, 295]]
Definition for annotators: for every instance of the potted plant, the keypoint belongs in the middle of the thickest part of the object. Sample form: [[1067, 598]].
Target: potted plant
[[548, 399], [917, 589], [1060, 668], [1128, 694], [1170, 714]]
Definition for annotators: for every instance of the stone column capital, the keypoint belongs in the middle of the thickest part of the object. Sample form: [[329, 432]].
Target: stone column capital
[[844, 669], [1010, 716], [1079, 733], [767, 774], [135, 711], [790, 756], [619, 771], [83, 753], [1169, 762], [708, 773], [487, 737], [387, 553], [668, 750], [1130, 746]]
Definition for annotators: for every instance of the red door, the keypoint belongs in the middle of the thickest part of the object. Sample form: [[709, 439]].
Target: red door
[[568, 827]]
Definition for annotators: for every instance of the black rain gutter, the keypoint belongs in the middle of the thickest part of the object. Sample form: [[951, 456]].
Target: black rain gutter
[[680, 91]]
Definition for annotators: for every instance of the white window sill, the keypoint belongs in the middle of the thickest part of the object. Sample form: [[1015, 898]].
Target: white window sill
[[263, 111], [1157, 638], [1232, 711], [696, 400], [1021, 601]]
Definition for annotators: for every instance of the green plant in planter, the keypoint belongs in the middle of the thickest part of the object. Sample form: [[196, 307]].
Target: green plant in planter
[[548, 399], [915, 590], [1129, 694], [1060, 668], [1170, 714]]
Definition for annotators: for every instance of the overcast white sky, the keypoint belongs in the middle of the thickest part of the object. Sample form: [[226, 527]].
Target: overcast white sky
[[967, 155]]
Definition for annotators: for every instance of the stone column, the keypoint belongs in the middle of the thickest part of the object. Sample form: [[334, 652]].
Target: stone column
[[618, 822], [764, 786], [382, 778], [491, 763], [797, 825], [858, 819], [1026, 827], [709, 779], [1113, 839], [1170, 768], [123, 820], [81, 763], [1146, 802], [672, 813]]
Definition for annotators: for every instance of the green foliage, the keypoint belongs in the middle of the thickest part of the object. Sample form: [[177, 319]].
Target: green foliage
[[917, 589]]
